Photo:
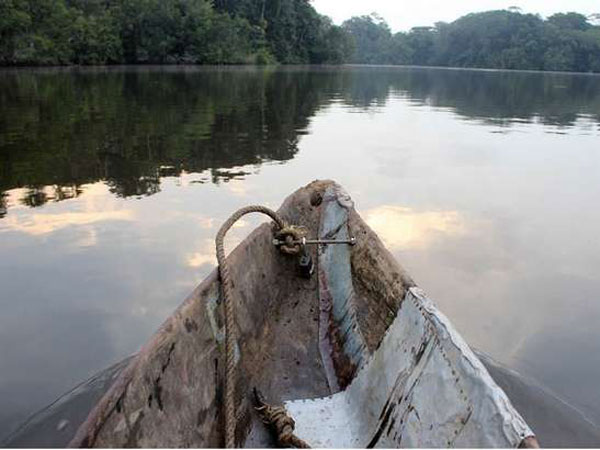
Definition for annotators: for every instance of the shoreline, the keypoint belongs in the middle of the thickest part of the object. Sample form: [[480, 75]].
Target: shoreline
[[265, 67]]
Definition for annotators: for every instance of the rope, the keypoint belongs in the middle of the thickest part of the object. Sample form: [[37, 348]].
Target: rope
[[280, 421], [287, 233]]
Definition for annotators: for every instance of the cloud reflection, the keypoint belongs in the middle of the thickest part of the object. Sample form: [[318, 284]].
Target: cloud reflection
[[206, 253], [404, 228], [40, 224], [92, 209]]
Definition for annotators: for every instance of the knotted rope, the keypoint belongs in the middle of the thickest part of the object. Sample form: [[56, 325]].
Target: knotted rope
[[286, 233], [280, 421]]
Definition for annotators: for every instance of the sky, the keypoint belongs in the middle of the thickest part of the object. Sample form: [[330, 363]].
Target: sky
[[402, 15]]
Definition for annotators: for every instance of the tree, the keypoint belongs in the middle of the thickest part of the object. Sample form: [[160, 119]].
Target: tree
[[331, 44], [34, 31], [95, 39], [570, 21], [54, 32], [14, 23], [372, 39], [421, 42]]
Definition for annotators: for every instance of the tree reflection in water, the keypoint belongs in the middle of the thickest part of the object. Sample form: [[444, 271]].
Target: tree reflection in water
[[133, 126]]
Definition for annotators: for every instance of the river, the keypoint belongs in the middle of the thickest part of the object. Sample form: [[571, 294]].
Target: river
[[113, 182]]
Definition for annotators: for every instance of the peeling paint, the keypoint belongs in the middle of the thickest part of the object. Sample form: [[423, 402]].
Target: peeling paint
[[212, 303], [407, 395], [343, 345]]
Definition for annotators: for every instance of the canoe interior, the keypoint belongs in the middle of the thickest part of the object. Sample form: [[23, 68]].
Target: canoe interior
[[171, 394], [297, 338]]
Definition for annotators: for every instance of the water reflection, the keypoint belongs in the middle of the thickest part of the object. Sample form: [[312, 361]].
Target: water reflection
[[3, 206], [496, 97], [504, 98], [113, 184], [131, 127], [91, 211]]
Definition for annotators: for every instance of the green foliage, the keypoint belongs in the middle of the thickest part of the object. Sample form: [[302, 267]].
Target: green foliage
[[492, 39], [292, 29], [421, 42], [54, 32], [570, 21], [57, 32], [34, 31], [372, 39], [264, 58], [330, 45], [156, 31], [14, 22], [95, 40], [230, 41]]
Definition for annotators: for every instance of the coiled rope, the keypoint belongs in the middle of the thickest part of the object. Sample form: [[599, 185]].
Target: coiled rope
[[288, 234]]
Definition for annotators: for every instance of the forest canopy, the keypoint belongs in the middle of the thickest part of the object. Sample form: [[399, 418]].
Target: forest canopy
[[62, 32], [505, 39], [85, 32]]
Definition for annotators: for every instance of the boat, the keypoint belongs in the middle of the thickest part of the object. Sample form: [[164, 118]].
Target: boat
[[344, 342], [333, 345]]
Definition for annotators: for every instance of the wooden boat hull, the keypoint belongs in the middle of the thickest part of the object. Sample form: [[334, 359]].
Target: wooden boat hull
[[359, 354], [358, 346]]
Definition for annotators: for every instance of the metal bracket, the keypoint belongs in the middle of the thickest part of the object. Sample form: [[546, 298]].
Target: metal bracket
[[305, 263], [303, 242]]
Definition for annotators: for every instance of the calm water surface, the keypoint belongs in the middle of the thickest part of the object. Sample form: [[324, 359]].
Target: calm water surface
[[113, 183]]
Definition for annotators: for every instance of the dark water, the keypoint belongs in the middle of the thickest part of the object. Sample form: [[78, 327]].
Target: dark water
[[113, 183]]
